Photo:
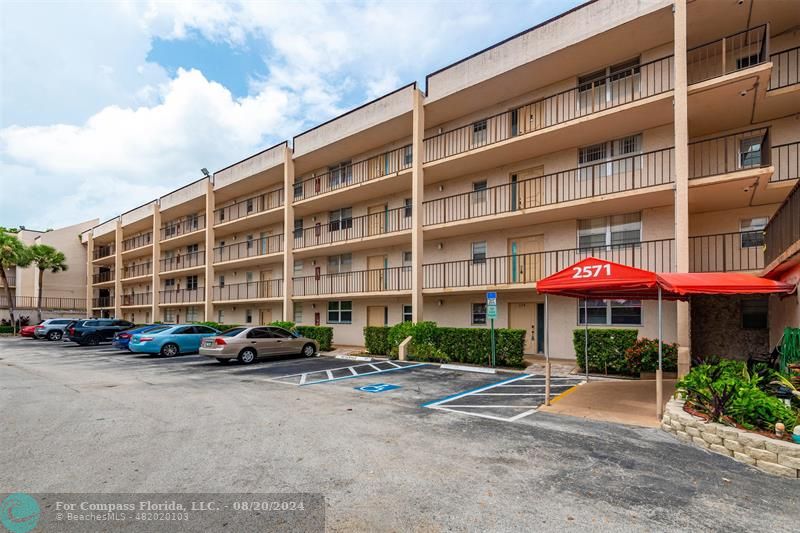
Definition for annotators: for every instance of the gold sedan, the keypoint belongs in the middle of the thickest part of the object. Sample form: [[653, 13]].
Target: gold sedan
[[246, 344]]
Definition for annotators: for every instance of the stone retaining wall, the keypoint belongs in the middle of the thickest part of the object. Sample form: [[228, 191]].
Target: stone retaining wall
[[770, 455]]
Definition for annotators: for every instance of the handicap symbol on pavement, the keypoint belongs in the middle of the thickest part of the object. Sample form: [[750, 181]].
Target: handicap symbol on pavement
[[377, 387]]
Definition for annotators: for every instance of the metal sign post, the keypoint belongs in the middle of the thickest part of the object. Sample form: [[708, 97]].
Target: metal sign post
[[491, 314]]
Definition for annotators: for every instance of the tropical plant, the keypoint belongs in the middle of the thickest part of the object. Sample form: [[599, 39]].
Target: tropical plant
[[13, 253], [46, 257], [790, 348]]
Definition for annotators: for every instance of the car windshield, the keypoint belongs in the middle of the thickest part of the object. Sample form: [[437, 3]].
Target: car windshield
[[232, 332]]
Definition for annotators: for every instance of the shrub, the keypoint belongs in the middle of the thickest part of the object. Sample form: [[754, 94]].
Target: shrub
[[6, 329], [376, 340], [285, 324], [322, 334], [423, 333], [643, 356], [606, 349], [427, 353]]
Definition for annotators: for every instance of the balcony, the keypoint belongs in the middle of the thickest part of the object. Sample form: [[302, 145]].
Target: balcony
[[48, 302], [182, 226], [375, 281], [137, 271], [11, 277], [182, 296], [360, 173], [365, 228], [103, 302], [786, 160], [103, 277], [625, 86], [194, 260], [727, 55], [524, 270], [785, 69], [252, 290], [102, 252], [138, 241], [631, 173], [249, 208], [249, 251], [782, 234], [727, 154], [727, 252], [137, 300]]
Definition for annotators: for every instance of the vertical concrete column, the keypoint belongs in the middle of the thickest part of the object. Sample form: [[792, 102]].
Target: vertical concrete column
[[89, 275], [417, 197], [288, 234], [681, 110], [118, 269], [208, 283], [155, 263]]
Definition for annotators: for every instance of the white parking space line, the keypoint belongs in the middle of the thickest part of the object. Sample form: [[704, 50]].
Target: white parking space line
[[325, 375]]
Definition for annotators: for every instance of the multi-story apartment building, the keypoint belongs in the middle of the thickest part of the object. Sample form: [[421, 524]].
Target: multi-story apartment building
[[661, 134], [63, 293]]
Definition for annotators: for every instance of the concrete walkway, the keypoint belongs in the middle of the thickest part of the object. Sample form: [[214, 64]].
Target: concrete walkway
[[630, 402]]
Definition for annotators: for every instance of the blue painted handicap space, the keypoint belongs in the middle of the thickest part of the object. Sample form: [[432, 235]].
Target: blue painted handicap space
[[377, 387]]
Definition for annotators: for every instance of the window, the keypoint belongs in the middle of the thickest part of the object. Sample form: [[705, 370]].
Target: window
[[479, 252], [191, 314], [248, 316], [407, 259], [249, 206], [249, 242], [248, 277], [340, 263], [611, 312], [298, 228], [298, 266], [221, 280], [191, 283], [407, 316], [750, 152], [747, 61], [298, 313], [752, 231], [259, 333], [280, 333], [203, 330], [194, 221], [169, 316], [341, 219], [591, 157], [221, 316], [408, 204], [192, 248], [607, 231], [408, 156], [479, 313], [340, 312], [479, 132], [755, 312], [479, 191], [340, 174], [169, 283]]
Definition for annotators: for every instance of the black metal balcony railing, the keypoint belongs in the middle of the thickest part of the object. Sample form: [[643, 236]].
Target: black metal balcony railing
[[251, 290], [359, 172], [617, 175], [103, 301], [388, 221], [48, 302], [729, 54], [785, 68], [783, 229], [142, 298], [103, 251], [183, 226], [134, 271], [786, 160], [727, 252], [622, 87], [249, 206], [360, 281], [656, 255], [137, 241], [103, 277], [179, 296], [12, 280], [251, 248], [189, 260], [729, 153]]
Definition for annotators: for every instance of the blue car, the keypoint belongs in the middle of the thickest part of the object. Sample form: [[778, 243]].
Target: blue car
[[123, 338], [171, 341]]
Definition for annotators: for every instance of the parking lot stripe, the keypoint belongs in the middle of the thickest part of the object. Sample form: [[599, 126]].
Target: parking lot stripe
[[472, 391], [353, 371], [509, 394], [522, 415], [329, 373], [399, 367], [490, 417]]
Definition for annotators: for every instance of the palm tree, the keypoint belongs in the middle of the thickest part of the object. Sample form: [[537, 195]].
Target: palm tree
[[13, 253], [46, 258]]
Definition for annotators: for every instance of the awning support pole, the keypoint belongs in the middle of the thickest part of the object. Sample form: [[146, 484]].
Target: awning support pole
[[659, 382], [546, 352], [586, 337]]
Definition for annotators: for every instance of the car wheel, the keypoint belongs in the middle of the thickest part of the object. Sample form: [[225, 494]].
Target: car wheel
[[247, 356], [92, 340], [54, 336], [308, 350], [170, 350], [223, 360]]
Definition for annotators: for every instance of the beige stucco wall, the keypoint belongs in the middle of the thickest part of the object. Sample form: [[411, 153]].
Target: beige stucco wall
[[138, 214], [260, 162]]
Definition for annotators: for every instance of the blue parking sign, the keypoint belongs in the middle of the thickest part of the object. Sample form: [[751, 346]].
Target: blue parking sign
[[377, 387]]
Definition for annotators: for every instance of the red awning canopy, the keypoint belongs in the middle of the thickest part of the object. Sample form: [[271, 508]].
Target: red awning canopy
[[600, 279]]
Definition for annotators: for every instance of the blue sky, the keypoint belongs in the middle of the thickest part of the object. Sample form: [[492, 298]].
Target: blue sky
[[107, 105]]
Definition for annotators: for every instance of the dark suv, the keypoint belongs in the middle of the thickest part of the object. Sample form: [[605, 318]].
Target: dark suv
[[94, 331]]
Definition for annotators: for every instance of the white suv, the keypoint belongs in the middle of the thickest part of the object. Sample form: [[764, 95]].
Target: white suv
[[51, 329]]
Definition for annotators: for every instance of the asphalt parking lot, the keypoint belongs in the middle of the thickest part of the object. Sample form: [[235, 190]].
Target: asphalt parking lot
[[391, 445]]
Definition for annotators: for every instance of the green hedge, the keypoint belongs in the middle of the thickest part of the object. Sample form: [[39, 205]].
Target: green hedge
[[322, 334], [607, 349], [285, 324], [6, 329], [376, 340]]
